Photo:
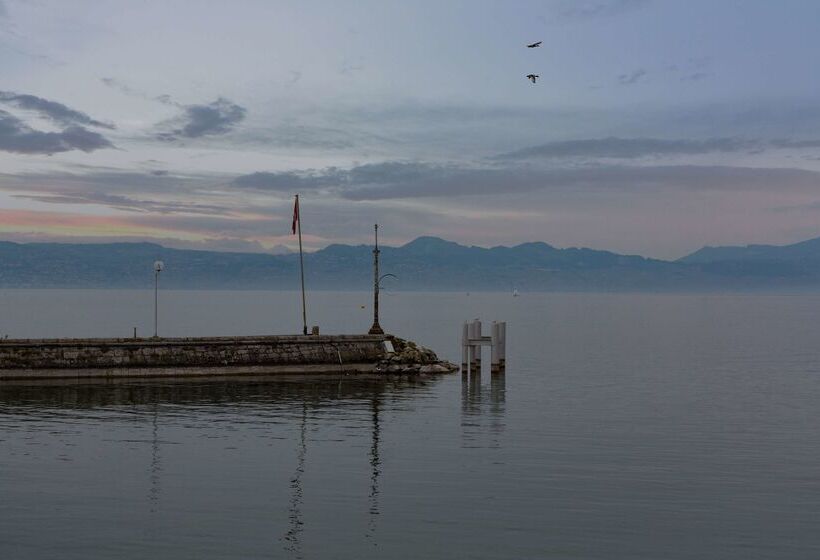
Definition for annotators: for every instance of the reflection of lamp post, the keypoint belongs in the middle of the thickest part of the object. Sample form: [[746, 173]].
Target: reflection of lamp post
[[376, 328], [158, 266]]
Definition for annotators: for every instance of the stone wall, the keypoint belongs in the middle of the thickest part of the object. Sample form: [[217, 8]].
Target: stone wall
[[69, 354]]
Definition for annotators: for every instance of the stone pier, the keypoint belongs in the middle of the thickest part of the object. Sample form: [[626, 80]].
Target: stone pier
[[213, 356]]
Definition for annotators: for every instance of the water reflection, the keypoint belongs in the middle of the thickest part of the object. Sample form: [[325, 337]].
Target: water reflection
[[156, 467], [299, 410], [480, 404], [375, 466], [16, 396], [293, 535]]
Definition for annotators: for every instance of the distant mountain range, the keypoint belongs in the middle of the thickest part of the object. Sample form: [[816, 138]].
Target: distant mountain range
[[427, 263]]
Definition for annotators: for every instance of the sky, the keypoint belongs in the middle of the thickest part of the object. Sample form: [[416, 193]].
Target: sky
[[656, 126]]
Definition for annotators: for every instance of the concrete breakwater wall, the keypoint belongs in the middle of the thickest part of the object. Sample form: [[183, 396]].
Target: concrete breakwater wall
[[203, 356], [178, 357]]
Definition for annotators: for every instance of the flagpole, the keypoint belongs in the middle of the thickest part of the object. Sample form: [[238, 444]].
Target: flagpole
[[301, 265]]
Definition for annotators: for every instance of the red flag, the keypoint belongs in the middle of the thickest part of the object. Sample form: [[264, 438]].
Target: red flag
[[295, 214]]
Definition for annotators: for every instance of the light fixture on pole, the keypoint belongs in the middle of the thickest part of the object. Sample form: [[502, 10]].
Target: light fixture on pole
[[158, 267]]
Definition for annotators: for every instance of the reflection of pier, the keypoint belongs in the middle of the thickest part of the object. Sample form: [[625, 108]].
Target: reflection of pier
[[296, 409], [270, 390]]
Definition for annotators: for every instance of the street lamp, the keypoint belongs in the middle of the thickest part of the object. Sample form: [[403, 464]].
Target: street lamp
[[158, 267], [376, 328]]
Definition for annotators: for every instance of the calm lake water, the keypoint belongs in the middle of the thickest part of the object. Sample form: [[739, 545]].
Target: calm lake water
[[626, 426]]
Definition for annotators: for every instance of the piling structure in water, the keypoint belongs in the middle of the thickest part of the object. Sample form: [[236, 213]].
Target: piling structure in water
[[472, 340]]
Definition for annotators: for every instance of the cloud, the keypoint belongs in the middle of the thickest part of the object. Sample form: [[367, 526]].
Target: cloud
[[223, 244], [17, 137], [787, 143], [389, 172], [447, 199], [52, 110], [348, 68], [417, 129], [196, 121], [289, 181], [407, 180], [626, 148], [695, 77], [300, 136], [632, 77], [120, 202], [135, 191], [627, 179], [591, 9], [141, 226], [124, 88]]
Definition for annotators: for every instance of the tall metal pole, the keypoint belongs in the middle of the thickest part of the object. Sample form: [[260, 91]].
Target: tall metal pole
[[158, 266], [301, 265], [376, 328], [156, 300]]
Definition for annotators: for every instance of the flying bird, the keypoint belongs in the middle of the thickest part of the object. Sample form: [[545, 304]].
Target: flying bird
[[534, 45], [532, 77]]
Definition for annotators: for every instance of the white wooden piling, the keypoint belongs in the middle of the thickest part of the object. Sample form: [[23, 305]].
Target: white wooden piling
[[465, 346], [502, 345], [472, 341], [475, 357], [495, 364]]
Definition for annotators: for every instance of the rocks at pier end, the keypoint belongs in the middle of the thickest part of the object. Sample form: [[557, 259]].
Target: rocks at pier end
[[408, 357]]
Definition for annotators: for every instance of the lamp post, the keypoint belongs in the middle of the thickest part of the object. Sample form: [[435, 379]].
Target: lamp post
[[376, 328], [158, 267]]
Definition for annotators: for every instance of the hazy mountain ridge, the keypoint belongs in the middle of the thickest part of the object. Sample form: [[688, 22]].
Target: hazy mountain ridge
[[426, 263], [809, 249]]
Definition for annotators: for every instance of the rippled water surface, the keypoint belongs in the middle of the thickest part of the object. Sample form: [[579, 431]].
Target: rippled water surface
[[626, 426]]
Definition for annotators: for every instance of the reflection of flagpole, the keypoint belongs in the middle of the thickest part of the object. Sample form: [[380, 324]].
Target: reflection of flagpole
[[295, 513], [297, 227]]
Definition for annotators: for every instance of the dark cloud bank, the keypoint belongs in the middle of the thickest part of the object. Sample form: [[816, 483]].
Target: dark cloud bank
[[52, 110], [542, 168], [18, 137], [395, 180], [627, 148], [196, 121]]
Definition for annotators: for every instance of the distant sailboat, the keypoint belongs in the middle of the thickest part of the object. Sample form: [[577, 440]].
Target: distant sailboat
[[515, 292]]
